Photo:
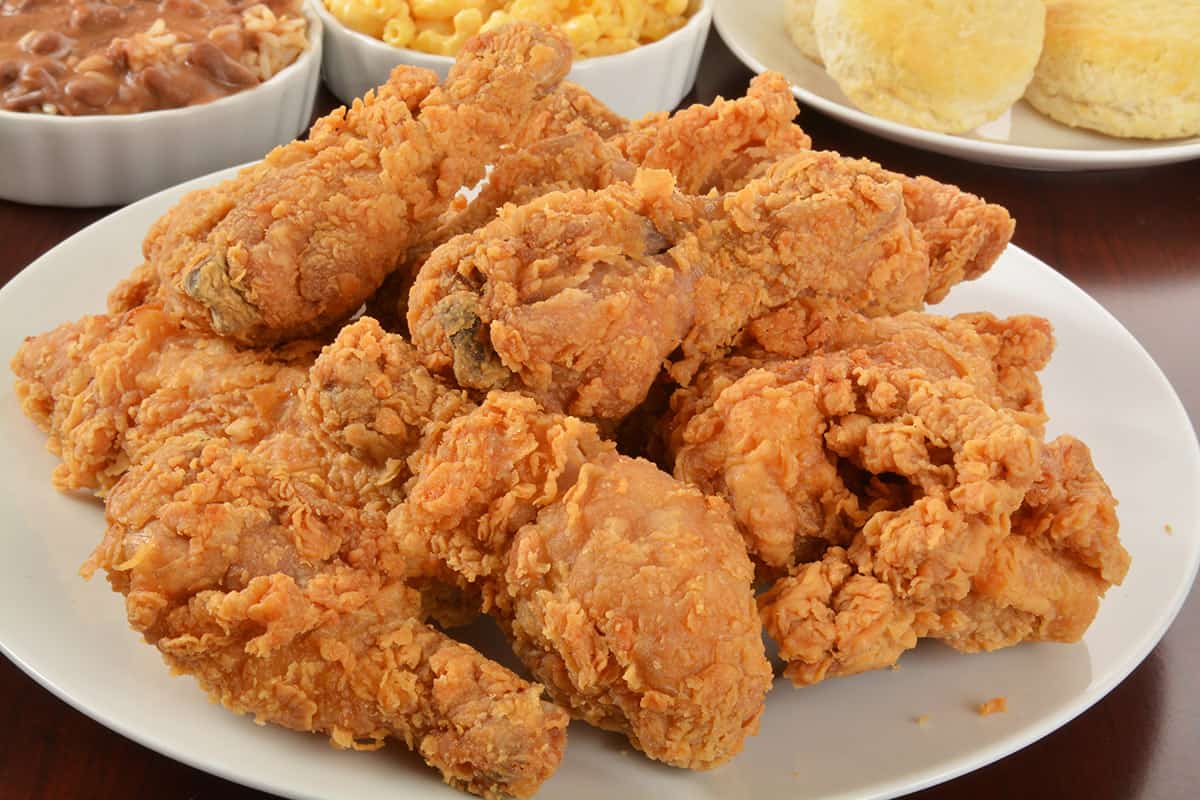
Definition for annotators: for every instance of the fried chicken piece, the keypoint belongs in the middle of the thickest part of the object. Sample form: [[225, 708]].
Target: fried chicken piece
[[538, 298], [247, 497], [250, 568], [896, 471], [626, 592], [717, 146], [575, 142], [86, 384], [1000, 356], [299, 241], [1043, 581], [352, 660], [963, 233], [579, 159], [704, 147], [758, 429]]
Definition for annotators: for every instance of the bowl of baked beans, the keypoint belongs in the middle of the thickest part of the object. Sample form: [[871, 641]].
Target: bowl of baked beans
[[103, 102], [637, 56]]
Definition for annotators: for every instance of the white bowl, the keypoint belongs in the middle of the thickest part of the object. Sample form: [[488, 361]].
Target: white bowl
[[653, 77], [115, 159]]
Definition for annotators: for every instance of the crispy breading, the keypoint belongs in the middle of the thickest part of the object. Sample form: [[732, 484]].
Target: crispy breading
[[718, 145], [247, 495], [299, 241], [626, 592], [894, 467], [538, 298]]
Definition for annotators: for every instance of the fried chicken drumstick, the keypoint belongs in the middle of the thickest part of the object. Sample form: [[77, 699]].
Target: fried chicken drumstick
[[538, 299], [299, 241]]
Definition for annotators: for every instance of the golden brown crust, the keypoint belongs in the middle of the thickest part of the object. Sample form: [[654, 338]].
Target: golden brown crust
[[537, 299], [628, 593], [299, 241], [247, 495], [909, 450]]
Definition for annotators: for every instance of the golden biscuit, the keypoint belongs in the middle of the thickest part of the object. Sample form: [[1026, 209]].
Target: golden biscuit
[[798, 19], [944, 65], [1121, 68]]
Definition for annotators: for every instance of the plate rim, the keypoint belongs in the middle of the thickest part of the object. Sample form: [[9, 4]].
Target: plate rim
[[944, 771], [1016, 156]]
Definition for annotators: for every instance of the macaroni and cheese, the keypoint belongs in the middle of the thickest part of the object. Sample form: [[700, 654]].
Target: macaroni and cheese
[[595, 27]]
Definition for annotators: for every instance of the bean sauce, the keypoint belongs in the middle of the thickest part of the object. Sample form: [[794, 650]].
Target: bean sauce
[[76, 57]]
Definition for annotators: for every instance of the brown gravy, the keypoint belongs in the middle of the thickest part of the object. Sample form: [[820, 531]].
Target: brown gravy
[[76, 57]]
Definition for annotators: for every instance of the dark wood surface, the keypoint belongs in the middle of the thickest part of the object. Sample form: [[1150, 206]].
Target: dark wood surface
[[1130, 238]]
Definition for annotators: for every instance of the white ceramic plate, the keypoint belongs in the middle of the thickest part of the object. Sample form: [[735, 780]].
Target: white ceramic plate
[[849, 737], [1020, 138]]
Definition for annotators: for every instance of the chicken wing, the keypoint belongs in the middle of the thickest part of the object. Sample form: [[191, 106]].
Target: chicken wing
[[704, 147], [719, 145], [1041, 580]]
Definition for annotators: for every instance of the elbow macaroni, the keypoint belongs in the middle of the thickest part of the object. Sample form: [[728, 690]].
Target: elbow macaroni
[[594, 27]]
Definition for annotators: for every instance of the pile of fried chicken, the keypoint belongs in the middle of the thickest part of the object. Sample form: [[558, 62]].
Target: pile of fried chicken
[[649, 368]]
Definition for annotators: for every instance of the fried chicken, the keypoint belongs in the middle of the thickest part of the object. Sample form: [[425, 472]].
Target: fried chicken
[[626, 592], [1039, 577], [296, 521], [299, 241], [717, 146], [895, 468], [574, 142], [538, 299], [86, 384], [752, 428], [704, 147], [1000, 356], [247, 495]]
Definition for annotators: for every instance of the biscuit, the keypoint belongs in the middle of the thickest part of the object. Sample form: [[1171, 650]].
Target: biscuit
[[798, 19], [1129, 69], [943, 65]]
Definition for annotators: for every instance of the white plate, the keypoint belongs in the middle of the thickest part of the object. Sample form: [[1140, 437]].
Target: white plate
[[1020, 138], [848, 737]]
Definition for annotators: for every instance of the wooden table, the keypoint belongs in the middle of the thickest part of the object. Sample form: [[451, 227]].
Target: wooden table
[[1129, 238]]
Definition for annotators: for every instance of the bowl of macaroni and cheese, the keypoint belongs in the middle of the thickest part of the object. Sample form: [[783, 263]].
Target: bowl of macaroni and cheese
[[103, 102], [637, 56]]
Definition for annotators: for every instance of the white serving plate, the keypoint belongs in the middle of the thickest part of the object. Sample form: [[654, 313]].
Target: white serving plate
[[851, 737], [1020, 138]]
